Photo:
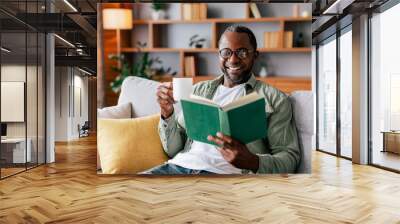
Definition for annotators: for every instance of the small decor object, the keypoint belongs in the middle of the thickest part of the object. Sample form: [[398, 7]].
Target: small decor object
[[263, 72], [158, 11], [196, 41], [305, 13], [254, 10], [299, 42]]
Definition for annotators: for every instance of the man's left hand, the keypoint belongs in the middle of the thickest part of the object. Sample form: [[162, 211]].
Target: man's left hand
[[235, 152]]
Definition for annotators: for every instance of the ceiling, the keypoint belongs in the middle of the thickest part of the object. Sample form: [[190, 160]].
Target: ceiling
[[75, 22], [330, 15]]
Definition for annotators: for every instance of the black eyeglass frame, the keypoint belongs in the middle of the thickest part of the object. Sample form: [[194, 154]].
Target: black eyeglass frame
[[236, 52]]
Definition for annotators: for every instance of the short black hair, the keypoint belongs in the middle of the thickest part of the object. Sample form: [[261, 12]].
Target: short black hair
[[242, 29]]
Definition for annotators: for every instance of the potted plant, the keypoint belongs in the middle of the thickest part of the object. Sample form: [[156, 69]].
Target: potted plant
[[146, 67], [196, 41], [158, 10]]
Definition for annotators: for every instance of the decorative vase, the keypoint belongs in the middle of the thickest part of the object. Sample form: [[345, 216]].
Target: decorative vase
[[158, 15], [263, 72]]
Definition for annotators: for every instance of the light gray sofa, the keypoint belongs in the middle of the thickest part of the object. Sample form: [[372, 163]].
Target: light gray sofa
[[141, 93]]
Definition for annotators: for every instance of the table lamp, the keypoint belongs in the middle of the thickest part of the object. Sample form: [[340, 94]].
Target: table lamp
[[117, 19]]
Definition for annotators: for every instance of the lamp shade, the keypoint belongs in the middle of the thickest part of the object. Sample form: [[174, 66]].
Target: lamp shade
[[114, 19]]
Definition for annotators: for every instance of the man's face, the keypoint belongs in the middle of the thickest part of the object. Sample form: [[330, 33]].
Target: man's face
[[236, 69]]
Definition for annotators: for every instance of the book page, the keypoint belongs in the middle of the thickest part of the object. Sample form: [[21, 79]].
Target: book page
[[202, 100], [242, 101]]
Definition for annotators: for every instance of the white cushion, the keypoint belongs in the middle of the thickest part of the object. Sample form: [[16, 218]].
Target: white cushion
[[303, 112], [141, 93], [303, 109], [120, 111], [306, 148]]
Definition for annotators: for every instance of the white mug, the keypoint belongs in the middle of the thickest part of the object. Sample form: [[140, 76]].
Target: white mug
[[182, 88]]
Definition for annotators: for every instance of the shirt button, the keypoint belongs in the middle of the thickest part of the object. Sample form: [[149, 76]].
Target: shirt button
[[165, 125]]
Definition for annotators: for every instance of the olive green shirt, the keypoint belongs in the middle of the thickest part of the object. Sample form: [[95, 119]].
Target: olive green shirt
[[278, 153]]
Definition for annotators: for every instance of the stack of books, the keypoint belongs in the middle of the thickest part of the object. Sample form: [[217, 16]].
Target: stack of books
[[190, 66], [272, 39], [194, 11]]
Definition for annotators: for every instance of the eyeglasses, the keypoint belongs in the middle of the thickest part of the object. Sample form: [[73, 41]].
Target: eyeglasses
[[241, 53]]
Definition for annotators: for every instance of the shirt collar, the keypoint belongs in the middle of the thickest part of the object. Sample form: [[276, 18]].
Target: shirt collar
[[220, 79]]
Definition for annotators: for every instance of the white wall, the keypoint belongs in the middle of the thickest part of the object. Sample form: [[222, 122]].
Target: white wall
[[61, 103], [12, 73], [70, 83], [33, 127]]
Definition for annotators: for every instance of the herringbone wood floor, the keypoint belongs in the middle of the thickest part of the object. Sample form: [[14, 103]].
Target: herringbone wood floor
[[69, 191]]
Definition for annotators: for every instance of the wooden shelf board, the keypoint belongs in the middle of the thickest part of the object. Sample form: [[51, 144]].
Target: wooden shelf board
[[177, 21], [285, 84], [284, 50], [135, 50], [225, 20], [140, 22], [194, 50], [212, 50], [272, 78], [298, 19]]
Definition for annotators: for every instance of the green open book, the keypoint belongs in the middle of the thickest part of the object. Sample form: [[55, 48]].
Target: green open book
[[243, 119]]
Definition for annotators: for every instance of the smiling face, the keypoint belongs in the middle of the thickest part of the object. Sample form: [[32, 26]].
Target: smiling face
[[236, 70]]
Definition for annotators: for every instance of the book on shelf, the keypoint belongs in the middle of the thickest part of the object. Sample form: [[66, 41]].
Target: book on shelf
[[243, 119], [186, 11], [254, 10], [203, 10], [193, 11], [272, 39], [190, 66], [288, 39], [295, 10]]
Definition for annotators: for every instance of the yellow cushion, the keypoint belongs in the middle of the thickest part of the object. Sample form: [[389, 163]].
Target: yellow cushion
[[128, 146]]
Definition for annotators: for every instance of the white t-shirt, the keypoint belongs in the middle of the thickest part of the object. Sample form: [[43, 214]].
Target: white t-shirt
[[204, 156]]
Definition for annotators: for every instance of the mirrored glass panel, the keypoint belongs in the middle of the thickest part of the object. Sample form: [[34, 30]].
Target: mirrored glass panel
[[327, 96], [346, 92], [385, 89]]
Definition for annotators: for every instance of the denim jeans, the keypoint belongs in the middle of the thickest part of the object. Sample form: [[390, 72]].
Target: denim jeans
[[172, 169]]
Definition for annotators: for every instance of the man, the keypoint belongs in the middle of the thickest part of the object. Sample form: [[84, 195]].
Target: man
[[277, 153]]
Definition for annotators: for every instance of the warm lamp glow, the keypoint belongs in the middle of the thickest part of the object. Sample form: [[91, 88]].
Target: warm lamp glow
[[117, 19]]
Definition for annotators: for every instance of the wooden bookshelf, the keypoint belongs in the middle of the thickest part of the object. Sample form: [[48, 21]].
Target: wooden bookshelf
[[155, 28], [213, 27]]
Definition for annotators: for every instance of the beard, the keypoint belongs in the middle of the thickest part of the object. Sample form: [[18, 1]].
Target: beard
[[237, 79]]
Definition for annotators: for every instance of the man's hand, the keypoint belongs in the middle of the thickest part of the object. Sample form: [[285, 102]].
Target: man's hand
[[165, 99], [235, 152]]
